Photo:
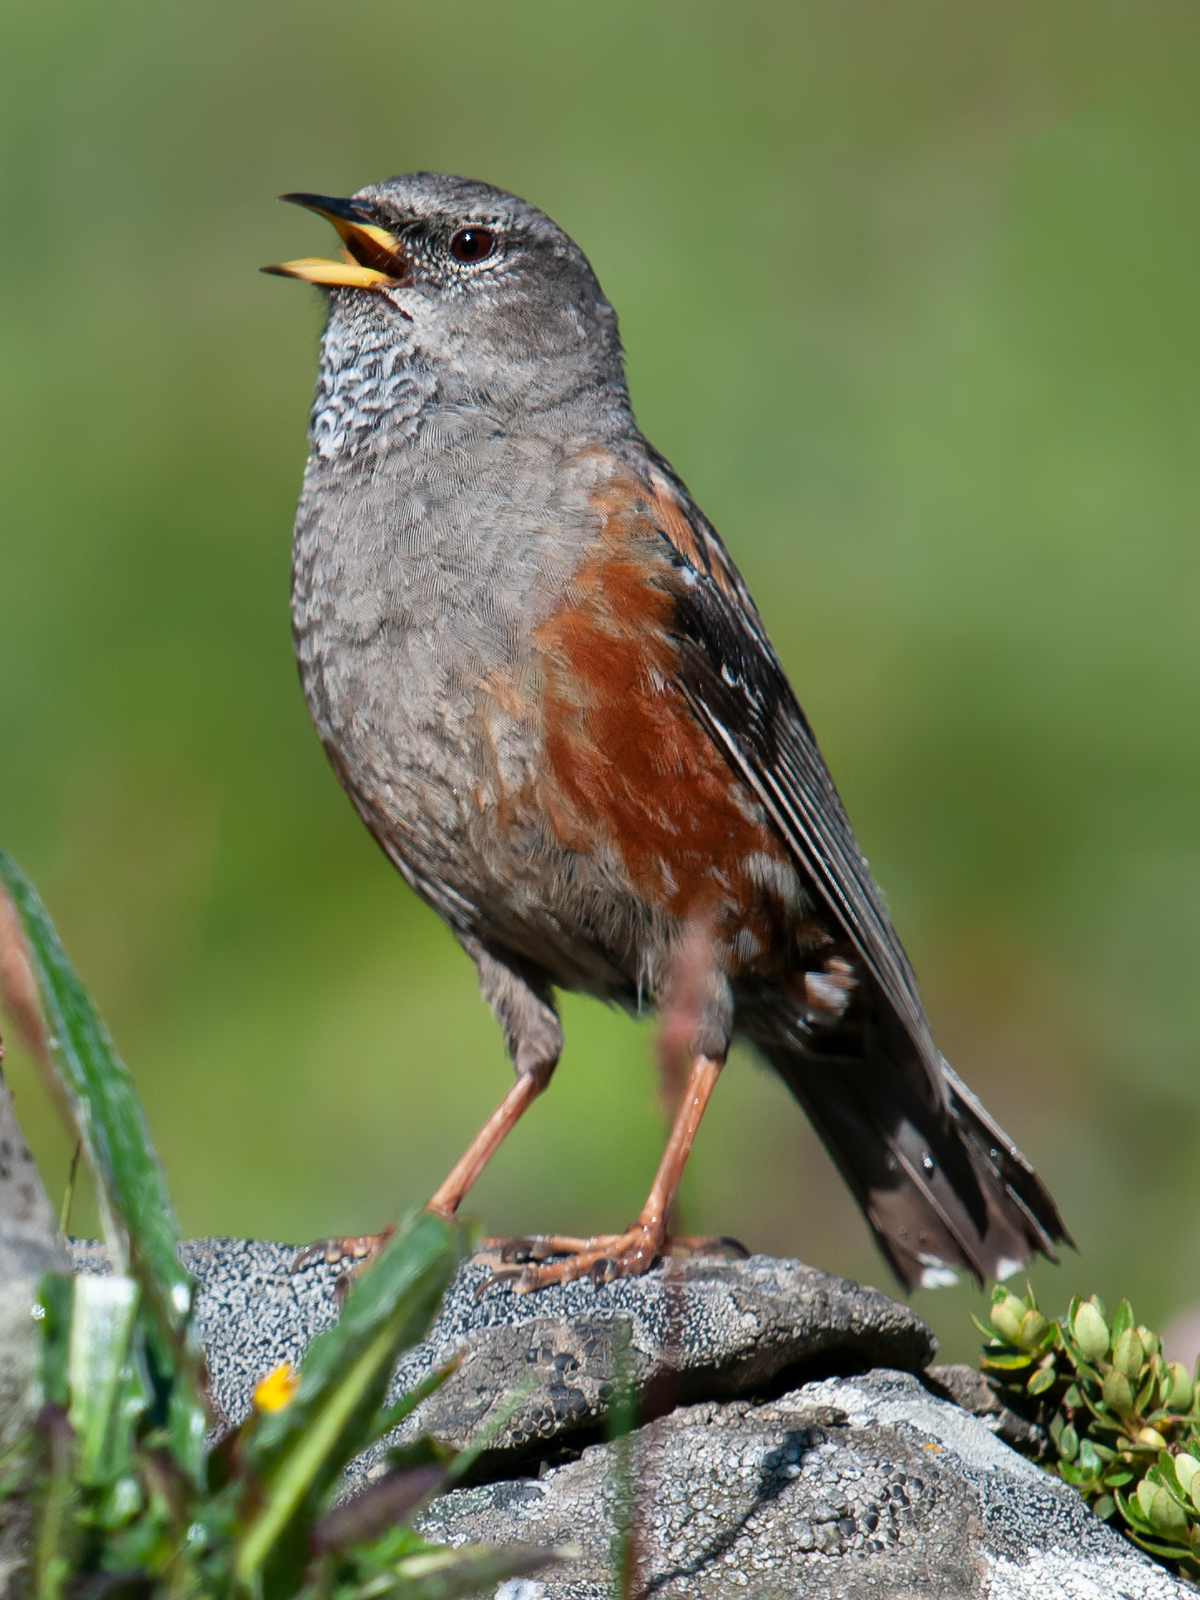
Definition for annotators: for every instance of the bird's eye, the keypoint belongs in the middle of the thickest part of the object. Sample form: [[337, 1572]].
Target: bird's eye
[[472, 244]]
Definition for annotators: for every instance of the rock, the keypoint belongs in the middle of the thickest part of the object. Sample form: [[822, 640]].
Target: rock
[[848, 1487], [968, 1388], [30, 1246], [784, 1452], [696, 1329]]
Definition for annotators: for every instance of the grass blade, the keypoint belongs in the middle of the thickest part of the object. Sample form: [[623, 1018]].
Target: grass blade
[[89, 1079], [101, 1325], [296, 1454], [451, 1574]]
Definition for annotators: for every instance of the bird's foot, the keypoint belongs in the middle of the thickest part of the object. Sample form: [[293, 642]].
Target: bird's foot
[[361, 1249], [537, 1260]]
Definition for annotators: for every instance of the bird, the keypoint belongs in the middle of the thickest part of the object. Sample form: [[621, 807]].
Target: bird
[[549, 695]]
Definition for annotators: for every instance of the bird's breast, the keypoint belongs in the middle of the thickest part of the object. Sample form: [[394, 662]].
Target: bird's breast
[[418, 582], [485, 639]]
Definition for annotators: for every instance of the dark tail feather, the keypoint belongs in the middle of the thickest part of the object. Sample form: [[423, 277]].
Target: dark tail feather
[[943, 1187]]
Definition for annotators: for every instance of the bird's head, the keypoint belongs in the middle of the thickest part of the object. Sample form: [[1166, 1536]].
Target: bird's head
[[471, 280]]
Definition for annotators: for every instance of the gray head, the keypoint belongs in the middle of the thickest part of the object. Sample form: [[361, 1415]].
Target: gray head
[[476, 294]]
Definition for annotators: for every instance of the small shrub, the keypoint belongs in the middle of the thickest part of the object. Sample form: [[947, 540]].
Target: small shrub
[[1122, 1423]]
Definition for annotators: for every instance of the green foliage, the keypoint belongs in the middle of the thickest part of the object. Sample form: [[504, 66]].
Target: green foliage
[[95, 1086], [129, 1495], [1122, 1423]]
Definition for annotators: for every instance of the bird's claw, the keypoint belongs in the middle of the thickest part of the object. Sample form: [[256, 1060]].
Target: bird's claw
[[539, 1247], [602, 1260], [360, 1248], [538, 1260]]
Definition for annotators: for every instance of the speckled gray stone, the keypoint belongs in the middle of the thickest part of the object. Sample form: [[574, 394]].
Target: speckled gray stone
[[752, 1481], [967, 1387], [30, 1246], [251, 1313], [696, 1329], [847, 1488]]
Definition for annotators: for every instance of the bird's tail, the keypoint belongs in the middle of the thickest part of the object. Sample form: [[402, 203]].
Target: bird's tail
[[942, 1186]]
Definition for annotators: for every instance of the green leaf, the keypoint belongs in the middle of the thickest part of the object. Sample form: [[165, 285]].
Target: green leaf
[[1104, 1507], [1068, 1443], [1178, 1396], [1008, 1361], [1033, 1329], [136, 1212], [122, 1502], [1131, 1510], [1122, 1321], [1161, 1509], [1101, 1417], [1090, 1332], [1165, 1468], [1155, 1547], [1042, 1380], [55, 1299], [1144, 1400], [1117, 1391], [1187, 1473], [294, 1455], [1007, 1313], [1128, 1355], [101, 1323], [1150, 1439]]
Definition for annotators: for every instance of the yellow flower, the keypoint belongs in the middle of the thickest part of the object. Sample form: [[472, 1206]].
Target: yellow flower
[[274, 1391]]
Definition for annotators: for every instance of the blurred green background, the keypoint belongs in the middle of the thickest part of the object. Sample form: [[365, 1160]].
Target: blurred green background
[[911, 296]]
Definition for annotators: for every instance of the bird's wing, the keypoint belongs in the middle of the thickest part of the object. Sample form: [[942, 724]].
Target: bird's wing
[[737, 687]]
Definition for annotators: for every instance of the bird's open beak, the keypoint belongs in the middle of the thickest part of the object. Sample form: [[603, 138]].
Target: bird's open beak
[[372, 258]]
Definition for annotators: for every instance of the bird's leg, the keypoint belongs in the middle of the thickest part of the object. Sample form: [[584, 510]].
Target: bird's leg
[[523, 1008], [450, 1193], [525, 1011], [623, 1255]]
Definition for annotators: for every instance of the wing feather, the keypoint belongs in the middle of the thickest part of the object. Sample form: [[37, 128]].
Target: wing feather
[[934, 1166], [739, 691]]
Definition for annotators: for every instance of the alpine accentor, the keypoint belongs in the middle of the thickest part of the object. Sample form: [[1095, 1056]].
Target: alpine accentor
[[550, 697]]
